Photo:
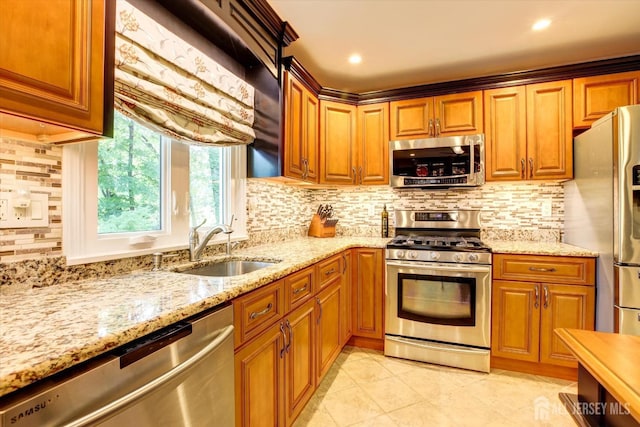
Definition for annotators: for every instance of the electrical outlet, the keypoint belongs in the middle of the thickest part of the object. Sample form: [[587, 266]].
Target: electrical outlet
[[4, 209]]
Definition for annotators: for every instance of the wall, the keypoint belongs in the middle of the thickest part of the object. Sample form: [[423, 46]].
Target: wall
[[275, 212]]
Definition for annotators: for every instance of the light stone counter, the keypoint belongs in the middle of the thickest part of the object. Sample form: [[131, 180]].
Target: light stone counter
[[535, 248], [46, 330]]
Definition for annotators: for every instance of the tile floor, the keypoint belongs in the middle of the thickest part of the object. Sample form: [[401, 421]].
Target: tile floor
[[365, 388]]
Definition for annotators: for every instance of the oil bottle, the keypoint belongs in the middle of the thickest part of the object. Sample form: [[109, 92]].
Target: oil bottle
[[385, 221]]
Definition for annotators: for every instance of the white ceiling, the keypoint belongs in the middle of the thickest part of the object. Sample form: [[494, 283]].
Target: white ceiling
[[412, 42]]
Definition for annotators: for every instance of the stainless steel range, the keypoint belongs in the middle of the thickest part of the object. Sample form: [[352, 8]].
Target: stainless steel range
[[438, 291]]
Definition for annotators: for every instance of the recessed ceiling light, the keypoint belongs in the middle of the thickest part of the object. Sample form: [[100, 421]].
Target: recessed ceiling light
[[541, 24], [355, 59]]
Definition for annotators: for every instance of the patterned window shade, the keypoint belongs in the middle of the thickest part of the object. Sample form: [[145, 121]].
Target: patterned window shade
[[166, 83]]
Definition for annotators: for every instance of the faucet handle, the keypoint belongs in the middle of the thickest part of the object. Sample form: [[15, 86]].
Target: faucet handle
[[199, 225]]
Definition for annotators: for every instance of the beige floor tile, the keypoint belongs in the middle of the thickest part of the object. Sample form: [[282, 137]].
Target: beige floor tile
[[365, 388], [351, 406], [391, 394]]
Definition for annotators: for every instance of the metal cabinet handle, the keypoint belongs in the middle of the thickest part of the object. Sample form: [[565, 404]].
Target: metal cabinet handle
[[304, 168], [167, 379], [361, 177], [255, 314], [290, 335], [536, 304], [329, 272], [320, 306], [344, 263], [355, 175], [546, 296], [542, 269], [284, 340], [302, 289], [522, 168], [437, 127], [530, 167], [431, 133]]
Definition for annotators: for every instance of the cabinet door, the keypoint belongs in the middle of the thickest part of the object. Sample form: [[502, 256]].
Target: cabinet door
[[300, 131], [549, 130], [329, 343], [373, 144], [505, 125], [458, 114], [593, 97], [337, 143], [411, 118], [346, 324], [299, 359], [52, 62], [259, 374], [515, 320], [368, 292], [564, 306]]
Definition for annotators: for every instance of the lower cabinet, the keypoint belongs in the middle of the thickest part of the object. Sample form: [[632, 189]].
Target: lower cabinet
[[329, 342], [288, 334], [368, 294], [526, 311]]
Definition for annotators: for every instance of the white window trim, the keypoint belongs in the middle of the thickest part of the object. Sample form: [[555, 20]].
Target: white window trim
[[81, 242]]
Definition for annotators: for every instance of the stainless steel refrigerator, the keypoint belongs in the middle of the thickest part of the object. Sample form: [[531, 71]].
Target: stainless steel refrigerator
[[602, 213]]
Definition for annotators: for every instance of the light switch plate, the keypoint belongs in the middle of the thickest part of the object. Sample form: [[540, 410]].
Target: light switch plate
[[36, 215]]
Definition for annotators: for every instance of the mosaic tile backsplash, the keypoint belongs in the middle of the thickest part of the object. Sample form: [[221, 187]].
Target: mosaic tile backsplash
[[275, 212]]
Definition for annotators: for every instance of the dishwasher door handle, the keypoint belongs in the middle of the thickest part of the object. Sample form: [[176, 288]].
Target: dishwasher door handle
[[133, 397]]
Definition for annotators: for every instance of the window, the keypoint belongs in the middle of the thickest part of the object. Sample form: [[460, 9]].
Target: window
[[140, 192]]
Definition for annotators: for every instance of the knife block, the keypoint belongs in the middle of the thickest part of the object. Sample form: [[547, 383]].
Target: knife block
[[317, 228]]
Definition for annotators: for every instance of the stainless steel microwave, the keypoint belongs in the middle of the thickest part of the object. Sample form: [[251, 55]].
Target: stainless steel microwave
[[456, 161]]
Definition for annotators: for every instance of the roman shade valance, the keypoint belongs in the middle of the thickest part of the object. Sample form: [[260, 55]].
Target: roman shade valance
[[166, 83]]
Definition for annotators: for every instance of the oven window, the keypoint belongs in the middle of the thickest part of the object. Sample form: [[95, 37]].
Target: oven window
[[437, 299]]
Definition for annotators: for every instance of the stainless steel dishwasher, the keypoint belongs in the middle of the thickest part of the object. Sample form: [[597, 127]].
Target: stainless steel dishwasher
[[182, 375]]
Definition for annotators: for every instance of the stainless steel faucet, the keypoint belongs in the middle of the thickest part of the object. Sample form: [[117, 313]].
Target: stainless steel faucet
[[196, 247]]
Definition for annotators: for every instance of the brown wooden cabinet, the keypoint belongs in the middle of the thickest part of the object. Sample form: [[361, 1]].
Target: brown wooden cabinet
[[528, 132], [372, 144], [329, 343], [354, 143], [52, 64], [368, 293], [532, 296], [346, 325], [445, 115], [595, 96], [301, 138], [338, 152]]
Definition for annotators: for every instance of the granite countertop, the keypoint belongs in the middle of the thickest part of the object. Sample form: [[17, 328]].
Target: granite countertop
[[536, 248], [46, 330]]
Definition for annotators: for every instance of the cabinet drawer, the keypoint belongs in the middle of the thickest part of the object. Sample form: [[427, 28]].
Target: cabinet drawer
[[257, 310], [329, 269], [542, 268], [298, 287]]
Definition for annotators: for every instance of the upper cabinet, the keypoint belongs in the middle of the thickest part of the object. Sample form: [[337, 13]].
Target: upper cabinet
[[528, 132], [446, 115], [301, 114], [354, 143], [52, 63], [593, 97]]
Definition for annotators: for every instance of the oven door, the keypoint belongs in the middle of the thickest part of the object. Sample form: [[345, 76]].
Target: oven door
[[442, 302]]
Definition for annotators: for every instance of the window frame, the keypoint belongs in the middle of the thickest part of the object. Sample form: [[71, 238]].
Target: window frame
[[83, 244]]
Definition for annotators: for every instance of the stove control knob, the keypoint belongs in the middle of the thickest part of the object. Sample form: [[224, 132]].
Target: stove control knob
[[434, 256], [400, 253], [473, 257], [457, 257], [412, 254]]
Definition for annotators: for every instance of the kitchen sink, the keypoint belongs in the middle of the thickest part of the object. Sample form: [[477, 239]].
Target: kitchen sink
[[228, 268]]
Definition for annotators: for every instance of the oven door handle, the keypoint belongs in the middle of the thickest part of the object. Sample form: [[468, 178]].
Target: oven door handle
[[453, 268]]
